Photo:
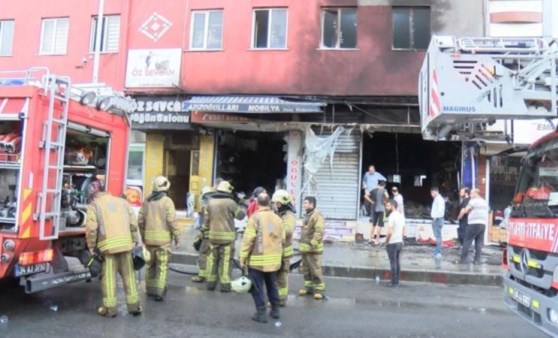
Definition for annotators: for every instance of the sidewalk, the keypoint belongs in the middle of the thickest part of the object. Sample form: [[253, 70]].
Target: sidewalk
[[363, 261]]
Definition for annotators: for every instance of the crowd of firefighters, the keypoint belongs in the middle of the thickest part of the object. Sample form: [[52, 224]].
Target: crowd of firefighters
[[114, 235]]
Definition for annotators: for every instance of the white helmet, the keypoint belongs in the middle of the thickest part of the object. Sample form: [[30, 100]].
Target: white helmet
[[282, 196], [161, 183], [242, 284], [225, 186]]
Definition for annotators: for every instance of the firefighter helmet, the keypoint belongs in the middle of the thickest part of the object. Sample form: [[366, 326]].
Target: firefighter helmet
[[282, 196], [140, 257], [225, 186], [206, 190], [242, 284], [161, 183]]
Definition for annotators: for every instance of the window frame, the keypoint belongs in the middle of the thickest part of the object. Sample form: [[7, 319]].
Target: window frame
[[339, 19], [105, 33], [269, 28], [207, 13], [3, 37], [53, 47], [411, 37]]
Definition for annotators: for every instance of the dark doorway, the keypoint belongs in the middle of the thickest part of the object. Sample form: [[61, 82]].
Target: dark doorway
[[252, 159], [414, 165]]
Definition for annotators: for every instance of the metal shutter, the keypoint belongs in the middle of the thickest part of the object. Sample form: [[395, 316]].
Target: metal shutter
[[338, 191]]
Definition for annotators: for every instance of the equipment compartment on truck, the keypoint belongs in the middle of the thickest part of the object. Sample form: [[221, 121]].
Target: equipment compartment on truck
[[10, 145]]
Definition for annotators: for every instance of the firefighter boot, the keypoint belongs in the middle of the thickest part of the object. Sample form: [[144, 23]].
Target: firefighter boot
[[260, 316], [318, 295], [305, 292], [106, 312], [274, 313], [197, 279]]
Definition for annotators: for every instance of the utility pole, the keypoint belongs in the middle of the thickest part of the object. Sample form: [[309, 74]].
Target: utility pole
[[97, 49]]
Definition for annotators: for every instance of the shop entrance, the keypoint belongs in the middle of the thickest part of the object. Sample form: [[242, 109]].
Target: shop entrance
[[178, 173], [415, 165], [252, 159]]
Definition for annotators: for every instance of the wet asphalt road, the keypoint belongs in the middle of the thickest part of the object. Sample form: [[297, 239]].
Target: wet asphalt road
[[355, 308]]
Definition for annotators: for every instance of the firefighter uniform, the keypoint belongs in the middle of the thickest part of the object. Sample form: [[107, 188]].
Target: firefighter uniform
[[261, 251], [219, 224], [312, 247], [158, 228], [111, 228], [288, 219], [204, 246]]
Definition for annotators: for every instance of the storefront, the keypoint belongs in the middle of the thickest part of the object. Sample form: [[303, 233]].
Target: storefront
[[173, 148]]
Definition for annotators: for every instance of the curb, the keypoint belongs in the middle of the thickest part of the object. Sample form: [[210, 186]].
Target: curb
[[429, 276]]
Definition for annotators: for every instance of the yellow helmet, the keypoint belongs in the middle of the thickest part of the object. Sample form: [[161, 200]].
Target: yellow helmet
[[282, 196], [161, 183], [225, 186]]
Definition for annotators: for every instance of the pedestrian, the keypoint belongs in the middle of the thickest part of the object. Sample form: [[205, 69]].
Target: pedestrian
[[369, 182], [377, 198], [462, 217], [312, 247], [202, 237], [159, 229], [397, 197], [477, 214], [253, 204], [261, 252], [437, 213], [285, 210], [218, 222], [112, 231], [394, 240]]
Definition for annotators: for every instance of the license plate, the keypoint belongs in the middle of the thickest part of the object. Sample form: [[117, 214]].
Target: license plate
[[30, 269], [521, 298]]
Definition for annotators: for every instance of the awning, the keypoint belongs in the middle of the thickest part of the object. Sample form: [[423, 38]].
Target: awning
[[250, 105]]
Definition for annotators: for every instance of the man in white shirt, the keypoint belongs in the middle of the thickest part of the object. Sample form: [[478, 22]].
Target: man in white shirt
[[394, 240], [397, 197], [437, 213], [477, 211]]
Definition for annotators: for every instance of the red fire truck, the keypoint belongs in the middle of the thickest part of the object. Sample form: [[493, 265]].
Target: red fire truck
[[54, 139], [465, 85]]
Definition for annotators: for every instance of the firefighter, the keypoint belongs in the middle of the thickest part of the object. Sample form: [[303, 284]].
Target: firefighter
[[112, 231], [158, 228], [206, 194], [218, 222], [285, 210], [261, 252], [312, 247]]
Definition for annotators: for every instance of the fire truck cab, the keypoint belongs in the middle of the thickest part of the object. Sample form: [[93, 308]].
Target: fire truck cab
[[466, 84], [55, 138]]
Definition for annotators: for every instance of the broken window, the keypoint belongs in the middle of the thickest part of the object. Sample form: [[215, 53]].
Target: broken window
[[339, 28], [411, 27]]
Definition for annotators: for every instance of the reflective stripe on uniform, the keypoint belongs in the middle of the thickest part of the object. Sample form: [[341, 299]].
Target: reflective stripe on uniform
[[288, 251], [114, 242], [263, 260], [222, 235], [305, 247], [158, 235]]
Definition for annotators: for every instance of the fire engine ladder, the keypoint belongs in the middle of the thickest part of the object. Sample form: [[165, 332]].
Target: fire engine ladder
[[53, 142], [532, 64]]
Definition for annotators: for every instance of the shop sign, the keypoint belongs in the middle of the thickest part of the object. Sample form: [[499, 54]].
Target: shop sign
[[159, 113], [153, 68], [294, 165], [525, 131], [206, 117]]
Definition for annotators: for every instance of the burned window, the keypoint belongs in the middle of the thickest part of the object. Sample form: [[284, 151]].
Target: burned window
[[339, 28], [270, 28], [411, 27]]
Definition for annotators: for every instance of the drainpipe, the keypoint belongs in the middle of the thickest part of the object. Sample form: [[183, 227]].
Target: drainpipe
[[97, 51]]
